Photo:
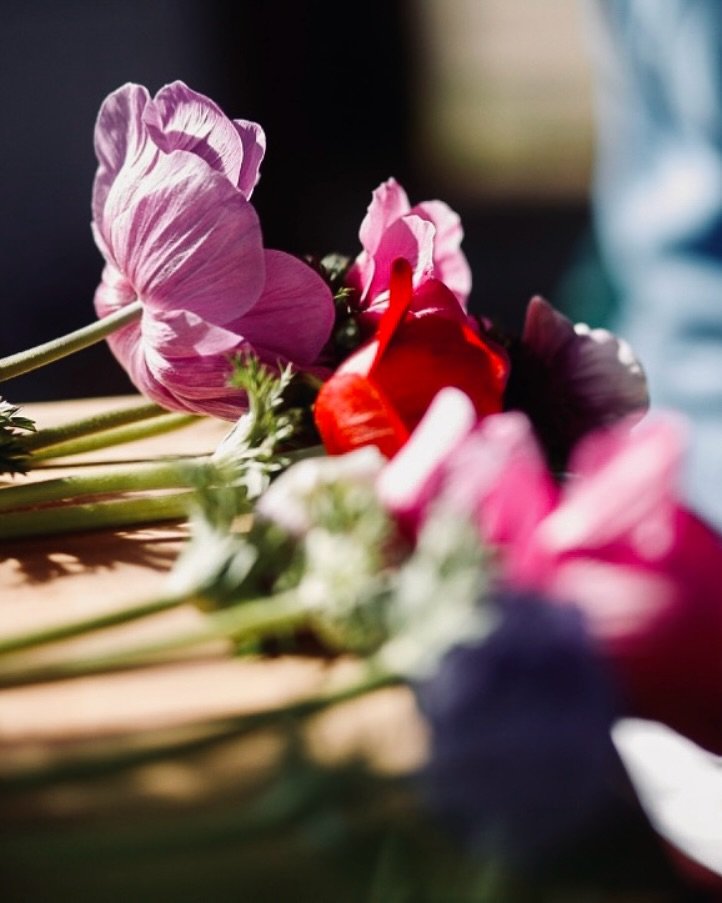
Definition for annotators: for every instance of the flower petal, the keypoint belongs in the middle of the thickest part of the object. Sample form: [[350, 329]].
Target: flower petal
[[621, 480], [498, 475], [679, 786], [450, 263], [179, 118], [350, 412], [185, 238], [521, 758], [430, 353], [120, 137], [253, 139], [176, 359], [293, 318], [127, 343], [409, 483], [411, 238], [600, 372], [389, 202]]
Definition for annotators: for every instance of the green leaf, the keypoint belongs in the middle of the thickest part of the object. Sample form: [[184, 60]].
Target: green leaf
[[14, 451]]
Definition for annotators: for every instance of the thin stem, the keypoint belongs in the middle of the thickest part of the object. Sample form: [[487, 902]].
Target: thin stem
[[313, 381], [311, 451], [267, 616], [159, 475], [70, 629], [154, 426], [164, 743], [95, 424], [46, 353], [98, 516]]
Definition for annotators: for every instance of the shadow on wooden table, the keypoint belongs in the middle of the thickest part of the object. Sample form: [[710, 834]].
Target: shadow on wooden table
[[41, 560]]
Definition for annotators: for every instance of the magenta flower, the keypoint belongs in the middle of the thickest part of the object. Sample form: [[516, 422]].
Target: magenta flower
[[613, 541], [173, 220], [428, 235], [477, 469]]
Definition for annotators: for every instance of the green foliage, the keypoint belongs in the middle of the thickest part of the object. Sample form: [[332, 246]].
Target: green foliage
[[14, 452], [250, 454]]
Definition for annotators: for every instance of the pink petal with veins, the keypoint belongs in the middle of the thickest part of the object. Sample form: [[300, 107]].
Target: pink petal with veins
[[389, 202], [450, 264], [410, 238], [185, 239], [253, 139], [120, 137], [383, 239], [179, 118], [294, 316]]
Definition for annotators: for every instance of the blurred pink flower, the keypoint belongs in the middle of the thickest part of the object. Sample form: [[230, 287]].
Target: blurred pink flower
[[480, 470], [428, 235], [173, 220], [614, 541]]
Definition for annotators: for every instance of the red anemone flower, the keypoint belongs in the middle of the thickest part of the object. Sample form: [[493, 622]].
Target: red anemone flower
[[424, 342]]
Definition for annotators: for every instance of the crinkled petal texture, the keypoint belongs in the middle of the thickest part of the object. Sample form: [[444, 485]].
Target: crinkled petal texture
[[182, 361], [428, 235], [570, 379], [599, 368], [174, 223], [120, 138], [184, 238], [177, 118], [380, 393], [293, 318], [176, 359]]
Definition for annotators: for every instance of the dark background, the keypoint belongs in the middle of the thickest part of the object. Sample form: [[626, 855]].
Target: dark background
[[331, 83]]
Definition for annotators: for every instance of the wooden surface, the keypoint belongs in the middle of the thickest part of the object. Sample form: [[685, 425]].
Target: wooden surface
[[51, 580]]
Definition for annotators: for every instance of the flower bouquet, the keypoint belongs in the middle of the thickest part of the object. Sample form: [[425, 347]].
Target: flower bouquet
[[445, 629]]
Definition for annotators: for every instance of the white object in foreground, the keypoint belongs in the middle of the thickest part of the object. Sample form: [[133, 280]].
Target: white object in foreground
[[679, 785]]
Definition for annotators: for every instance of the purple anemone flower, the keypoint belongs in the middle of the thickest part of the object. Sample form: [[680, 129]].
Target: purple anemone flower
[[570, 379], [521, 753], [173, 219]]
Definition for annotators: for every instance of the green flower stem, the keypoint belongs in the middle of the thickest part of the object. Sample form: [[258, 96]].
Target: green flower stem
[[268, 616], [164, 743], [153, 426], [70, 629], [158, 475], [40, 355], [98, 516], [298, 454], [87, 425]]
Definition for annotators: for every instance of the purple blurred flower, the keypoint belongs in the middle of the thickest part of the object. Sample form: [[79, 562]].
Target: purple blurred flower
[[570, 379], [521, 753], [173, 220]]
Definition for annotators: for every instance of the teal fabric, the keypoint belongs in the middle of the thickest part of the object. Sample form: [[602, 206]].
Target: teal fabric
[[658, 207]]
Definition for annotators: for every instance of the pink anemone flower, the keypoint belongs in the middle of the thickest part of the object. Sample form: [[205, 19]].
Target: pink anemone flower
[[173, 220], [614, 540], [428, 235]]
